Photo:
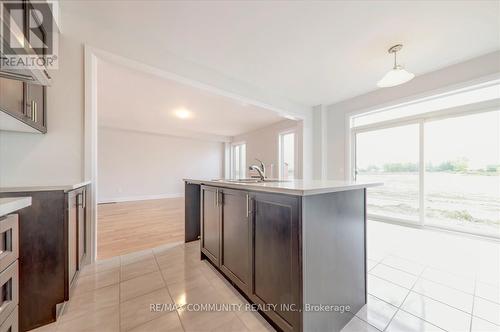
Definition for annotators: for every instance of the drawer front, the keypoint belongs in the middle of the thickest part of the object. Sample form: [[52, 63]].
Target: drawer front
[[9, 290], [9, 240], [11, 324]]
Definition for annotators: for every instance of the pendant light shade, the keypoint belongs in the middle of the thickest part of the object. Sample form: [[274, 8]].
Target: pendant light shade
[[397, 75]]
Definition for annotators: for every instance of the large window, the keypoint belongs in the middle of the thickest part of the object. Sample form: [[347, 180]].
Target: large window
[[391, 156], [287, 155], [438, 168], [238, 161], [463, 172]]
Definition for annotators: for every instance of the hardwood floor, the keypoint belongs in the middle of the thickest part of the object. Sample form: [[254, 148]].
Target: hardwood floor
[[126, 227]]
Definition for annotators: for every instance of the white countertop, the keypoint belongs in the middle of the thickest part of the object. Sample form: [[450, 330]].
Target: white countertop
[[66, 188], [12, 204], [291, 187]]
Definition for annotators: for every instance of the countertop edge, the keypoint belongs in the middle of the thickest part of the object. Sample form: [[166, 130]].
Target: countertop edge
[[64, 188], [287, 191], [13, 204]]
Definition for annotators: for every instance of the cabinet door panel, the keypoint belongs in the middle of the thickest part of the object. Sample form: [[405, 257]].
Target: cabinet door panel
[[72, 236], [210, 224], [12, 96], [35, 104], [236, 238], [276, 256], [81, 227]]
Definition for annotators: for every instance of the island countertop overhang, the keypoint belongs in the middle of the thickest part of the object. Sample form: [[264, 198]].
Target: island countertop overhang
[[291, 187]]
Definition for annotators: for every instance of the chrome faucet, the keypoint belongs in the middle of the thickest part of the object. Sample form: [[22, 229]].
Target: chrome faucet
[[261, 170]]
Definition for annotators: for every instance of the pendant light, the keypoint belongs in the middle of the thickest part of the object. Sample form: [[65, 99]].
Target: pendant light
[[397, 75]]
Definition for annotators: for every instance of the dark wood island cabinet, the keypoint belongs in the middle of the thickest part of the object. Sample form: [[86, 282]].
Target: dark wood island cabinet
[[296, 250], [236, 238]]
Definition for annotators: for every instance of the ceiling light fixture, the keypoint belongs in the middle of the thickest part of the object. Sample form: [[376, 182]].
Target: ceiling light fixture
[[397, 75], [182, 113]]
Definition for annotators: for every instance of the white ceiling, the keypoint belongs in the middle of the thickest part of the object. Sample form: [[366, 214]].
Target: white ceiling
[[309, 52], [133, 100]]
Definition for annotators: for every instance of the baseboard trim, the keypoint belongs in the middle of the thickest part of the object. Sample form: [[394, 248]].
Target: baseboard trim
[[138, 198]]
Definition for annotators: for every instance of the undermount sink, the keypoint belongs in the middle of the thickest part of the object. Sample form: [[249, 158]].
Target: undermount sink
[[244, 180], [274, 180]]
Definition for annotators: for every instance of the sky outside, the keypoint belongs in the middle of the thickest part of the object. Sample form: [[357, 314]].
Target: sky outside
[[474, 137]]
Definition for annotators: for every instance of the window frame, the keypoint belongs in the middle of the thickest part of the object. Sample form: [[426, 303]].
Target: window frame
[[281, 134], [242, 160], [421, 120]]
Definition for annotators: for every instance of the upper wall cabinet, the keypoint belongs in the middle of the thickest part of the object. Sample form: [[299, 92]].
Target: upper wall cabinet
[[23, 89], [22, 106], [27, 35]]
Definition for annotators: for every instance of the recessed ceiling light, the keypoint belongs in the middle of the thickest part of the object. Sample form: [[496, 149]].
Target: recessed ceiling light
[[397, 75], [182, 113]]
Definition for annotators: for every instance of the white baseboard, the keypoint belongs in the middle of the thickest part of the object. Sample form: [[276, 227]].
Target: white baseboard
[[138, 198]]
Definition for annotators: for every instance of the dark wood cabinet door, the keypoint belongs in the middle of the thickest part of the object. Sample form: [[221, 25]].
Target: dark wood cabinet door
[[72, 236], [82, 224], [12, 96], [210, 223], [191, 212], [236, 238], [35, 104], [276, 255]]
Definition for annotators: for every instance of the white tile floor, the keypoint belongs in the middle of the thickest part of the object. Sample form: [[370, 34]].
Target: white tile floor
[[417, 281], [421, 280]]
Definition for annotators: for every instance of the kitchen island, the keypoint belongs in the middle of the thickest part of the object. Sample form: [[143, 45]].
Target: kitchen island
[[296, 249]]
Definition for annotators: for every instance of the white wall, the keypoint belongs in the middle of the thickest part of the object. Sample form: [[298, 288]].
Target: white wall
[[58, 156], [263, 144], [134, 165], [442, 80]]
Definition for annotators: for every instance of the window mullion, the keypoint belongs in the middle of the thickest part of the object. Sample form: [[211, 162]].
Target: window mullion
[[421, 176]]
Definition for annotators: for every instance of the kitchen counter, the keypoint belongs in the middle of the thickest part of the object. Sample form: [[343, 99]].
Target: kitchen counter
[[65, 188], [12, 204], [290, 187], [289, 244]]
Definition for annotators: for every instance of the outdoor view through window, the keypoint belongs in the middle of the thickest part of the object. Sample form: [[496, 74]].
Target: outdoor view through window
[[461, 180]]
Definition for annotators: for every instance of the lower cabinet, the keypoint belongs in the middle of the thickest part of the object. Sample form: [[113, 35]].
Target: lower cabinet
[[72, 238], [276, 266], [9, 273], [210, 225], [254, 239], [76, 224], [52, 248], [236, 238]]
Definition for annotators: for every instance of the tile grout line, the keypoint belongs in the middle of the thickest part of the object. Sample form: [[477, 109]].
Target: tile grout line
[[436, 282], [168, 291], [442, 302], [389, 281], [433, 324], [165, 284], [420, 277], [402, 302], [397, 268], [411, 314], [445, 285], [66, 304], [433, 267], [473, 303]]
